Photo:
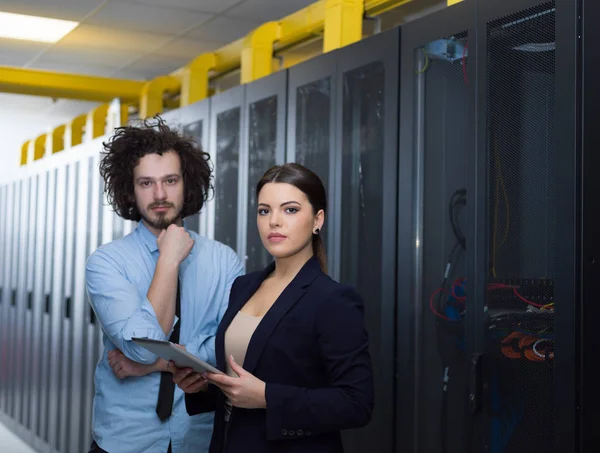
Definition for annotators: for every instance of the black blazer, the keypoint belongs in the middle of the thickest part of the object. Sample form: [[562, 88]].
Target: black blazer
[[311, 350]]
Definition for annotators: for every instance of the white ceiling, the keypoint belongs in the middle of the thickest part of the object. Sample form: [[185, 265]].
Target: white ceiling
[[133, 39]]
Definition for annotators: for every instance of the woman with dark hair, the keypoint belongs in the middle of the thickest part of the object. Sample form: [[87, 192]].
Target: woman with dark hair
[[292, 343]]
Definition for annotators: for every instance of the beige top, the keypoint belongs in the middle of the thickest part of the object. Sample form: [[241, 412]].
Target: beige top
[[237, 338]]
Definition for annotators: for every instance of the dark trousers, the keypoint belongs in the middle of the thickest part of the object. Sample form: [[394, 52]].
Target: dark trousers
[[96, 449]]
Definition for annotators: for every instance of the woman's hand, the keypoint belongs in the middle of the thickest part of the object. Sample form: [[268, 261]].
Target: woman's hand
[[124, 367], [245, 391]]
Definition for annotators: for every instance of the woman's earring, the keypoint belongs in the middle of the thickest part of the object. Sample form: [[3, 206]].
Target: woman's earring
[[317, 231]]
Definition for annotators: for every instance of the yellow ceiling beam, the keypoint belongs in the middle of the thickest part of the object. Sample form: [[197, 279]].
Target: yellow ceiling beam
[[301, 25], [257, 56], [340, 21], [195, 77], [343, 23], [70, 86], [152, 96], [377, 7]]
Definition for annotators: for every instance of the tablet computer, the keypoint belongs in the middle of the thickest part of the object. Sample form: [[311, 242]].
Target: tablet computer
[[180, 357]]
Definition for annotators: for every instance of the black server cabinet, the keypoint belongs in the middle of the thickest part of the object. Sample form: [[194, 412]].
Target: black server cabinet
[[364, 209], [226, 148], [436, 134], [311, 140], [265, 130], [193, 121], [590, 309], [524, 186], [342, 123], [488, 264]]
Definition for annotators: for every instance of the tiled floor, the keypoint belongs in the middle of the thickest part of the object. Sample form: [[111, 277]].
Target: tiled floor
[[11, 443]]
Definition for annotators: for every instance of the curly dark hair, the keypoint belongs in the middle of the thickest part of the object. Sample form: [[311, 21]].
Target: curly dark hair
[[130, 143]]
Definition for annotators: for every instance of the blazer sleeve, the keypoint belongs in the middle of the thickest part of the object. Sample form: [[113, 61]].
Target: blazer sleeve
[[347, 402], [201, 402]]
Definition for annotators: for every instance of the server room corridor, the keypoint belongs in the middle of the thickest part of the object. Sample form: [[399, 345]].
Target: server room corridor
[[457, 146]]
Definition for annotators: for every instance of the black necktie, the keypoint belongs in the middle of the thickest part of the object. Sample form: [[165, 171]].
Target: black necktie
[[164, 406]]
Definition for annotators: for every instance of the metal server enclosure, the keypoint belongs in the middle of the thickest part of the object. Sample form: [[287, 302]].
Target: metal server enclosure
[[490, 239]]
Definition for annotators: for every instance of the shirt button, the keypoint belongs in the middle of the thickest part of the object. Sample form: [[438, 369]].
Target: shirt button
[[284, 432], [300, 432]]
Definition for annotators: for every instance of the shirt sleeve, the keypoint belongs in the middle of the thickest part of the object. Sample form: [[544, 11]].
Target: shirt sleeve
[[202, 345], [121, 311], [347, 400]]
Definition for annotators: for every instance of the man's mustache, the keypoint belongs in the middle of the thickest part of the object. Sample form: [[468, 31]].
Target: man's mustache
[[160, 205]]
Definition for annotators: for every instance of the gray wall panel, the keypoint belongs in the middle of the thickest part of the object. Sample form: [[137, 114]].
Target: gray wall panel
[[78, 319], [47, 303], [57, 306], [38, 302], [28, 302], [16, 239], [19, 332], [66, 393], [6, 279]]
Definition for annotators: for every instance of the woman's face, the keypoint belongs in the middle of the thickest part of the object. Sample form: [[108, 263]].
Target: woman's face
[[285, 219]]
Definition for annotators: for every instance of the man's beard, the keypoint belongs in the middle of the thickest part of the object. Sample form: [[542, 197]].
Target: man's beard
[[161, 221]]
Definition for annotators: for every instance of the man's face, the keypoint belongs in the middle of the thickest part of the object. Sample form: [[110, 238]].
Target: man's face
[[158, 189]]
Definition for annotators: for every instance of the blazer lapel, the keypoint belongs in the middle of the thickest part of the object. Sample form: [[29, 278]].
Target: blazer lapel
[[234, 306], [287, 299]]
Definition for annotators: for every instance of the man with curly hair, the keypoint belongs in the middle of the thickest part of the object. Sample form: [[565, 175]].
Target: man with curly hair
[[163, 282]]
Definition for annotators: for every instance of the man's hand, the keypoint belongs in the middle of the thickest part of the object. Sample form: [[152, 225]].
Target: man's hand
[[186, 379], [123, 367], [245, 391], [174, 244]]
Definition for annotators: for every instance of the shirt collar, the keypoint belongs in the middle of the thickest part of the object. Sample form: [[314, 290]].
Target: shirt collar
[[147, 237]]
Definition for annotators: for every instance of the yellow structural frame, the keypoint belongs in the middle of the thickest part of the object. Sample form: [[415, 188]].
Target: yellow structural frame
[[257, 54], [77, 126], [195, 77], [343, 23], [70, 86], [25, 152], [339, 22], [39, 147], [97, 120], [152, 95], [58, 138]]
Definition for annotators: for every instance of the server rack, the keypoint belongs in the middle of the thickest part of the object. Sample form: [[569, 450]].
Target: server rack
[[588, 313], [193, 120], [226, 150], [527, 183], [363, 209], [435, 136], [264, 126], [311, 141]]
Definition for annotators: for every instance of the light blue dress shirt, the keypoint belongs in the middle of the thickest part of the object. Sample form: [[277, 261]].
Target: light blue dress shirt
[[118, 276]]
